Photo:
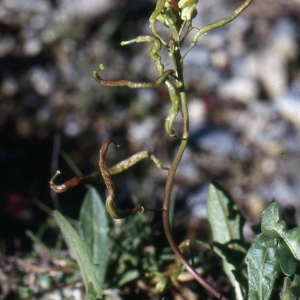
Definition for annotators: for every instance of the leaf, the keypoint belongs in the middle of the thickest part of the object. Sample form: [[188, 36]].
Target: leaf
[[295, 290], [91, 293], [263, 268], [174, 269], [81, 253], [286, 246], [286, 260], [94, 230], [291, 291], [269, 218], [25, 292], [226, 223], [129, 276], [272, 227], [224, 216], [285, 293]]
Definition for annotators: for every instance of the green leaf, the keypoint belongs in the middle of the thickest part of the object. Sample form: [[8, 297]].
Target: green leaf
[[91, 293], [25, 292], [81, 253], [272, 227], [295, 290], [269, 219], [285, 293], [226, 224], [129, 276], [291, 291], [263, 268], [286, 260], [286, 247], [224, 216], [94, 230]]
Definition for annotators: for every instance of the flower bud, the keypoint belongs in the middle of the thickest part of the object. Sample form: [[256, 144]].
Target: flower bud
[[188, 9]]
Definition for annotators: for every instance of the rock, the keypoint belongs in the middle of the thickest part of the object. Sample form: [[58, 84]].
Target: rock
[[220, 142], [196, 203], [288, 105], [32, 47], [242, 89]]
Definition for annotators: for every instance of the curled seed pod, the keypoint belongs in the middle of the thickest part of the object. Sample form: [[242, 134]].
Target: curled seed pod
[[132, 160], [110, 204], [173, 112], [154, 50], [75, 181], [116, 169], [134, 85]]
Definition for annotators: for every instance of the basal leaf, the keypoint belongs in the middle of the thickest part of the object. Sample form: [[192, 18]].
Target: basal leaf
[[263, 268], [94, 230], [81, 253], [295, 290], [285, 258], [226, 224], [91, 293], [269, 219], [223, 215], [272, 227], [285, 293], [277, 242], [292, 239], [129, 276]]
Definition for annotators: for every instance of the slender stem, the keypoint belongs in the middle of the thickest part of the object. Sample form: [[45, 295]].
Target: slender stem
[[171, 175]]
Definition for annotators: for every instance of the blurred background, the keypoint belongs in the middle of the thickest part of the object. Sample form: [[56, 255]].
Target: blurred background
[[243, 86]]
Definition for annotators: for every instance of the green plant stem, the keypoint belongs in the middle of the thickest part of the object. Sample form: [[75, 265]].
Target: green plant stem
[[171, 175]]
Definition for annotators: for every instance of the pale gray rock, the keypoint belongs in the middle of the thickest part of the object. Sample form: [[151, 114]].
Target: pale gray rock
[[242, 89]]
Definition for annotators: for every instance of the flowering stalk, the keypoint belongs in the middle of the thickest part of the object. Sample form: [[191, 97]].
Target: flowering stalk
[[178, 18]]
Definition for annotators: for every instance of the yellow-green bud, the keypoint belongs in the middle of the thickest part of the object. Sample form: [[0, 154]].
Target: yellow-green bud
[[188, 9]]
